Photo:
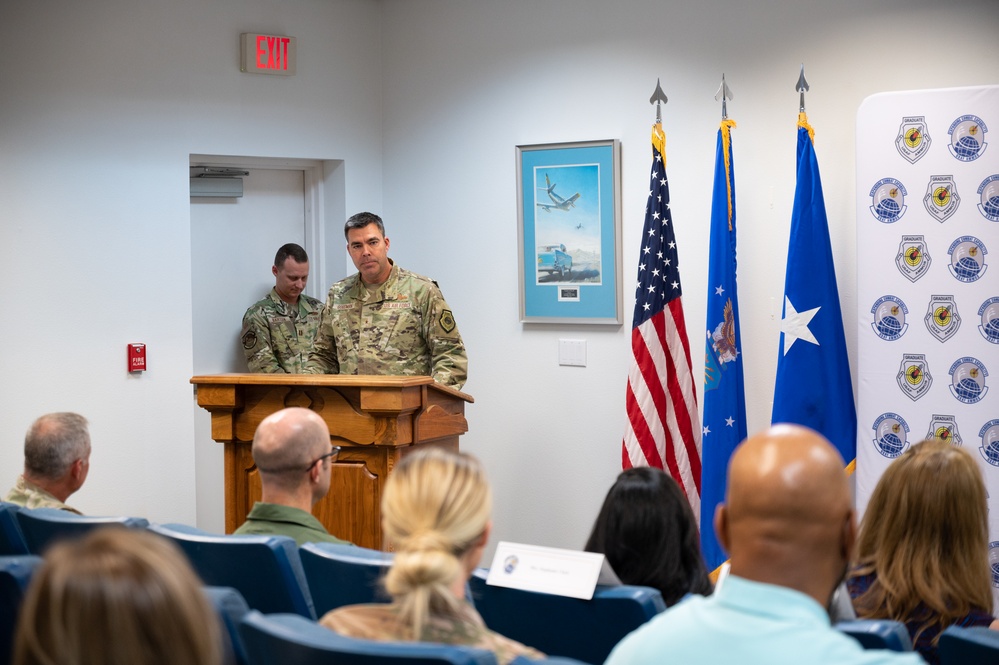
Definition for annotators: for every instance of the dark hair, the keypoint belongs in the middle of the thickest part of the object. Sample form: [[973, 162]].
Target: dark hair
[[294, 251], [362, 219], [649, 535]]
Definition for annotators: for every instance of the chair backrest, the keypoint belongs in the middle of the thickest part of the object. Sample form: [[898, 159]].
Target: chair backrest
[[11, 538], [231, 608], [15, 574], [341, 575], [43, 526], [291, 640], [586, 630], [877, 633], [265, 569], [968, 646]]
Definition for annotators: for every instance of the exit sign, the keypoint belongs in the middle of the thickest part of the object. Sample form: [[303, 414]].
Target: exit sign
[[267, 54]]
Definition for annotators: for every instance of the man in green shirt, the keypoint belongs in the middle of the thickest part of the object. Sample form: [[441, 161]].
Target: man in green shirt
[[293, 454], [56, 462]]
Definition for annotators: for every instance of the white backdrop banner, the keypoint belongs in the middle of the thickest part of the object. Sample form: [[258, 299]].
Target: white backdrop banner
[[928, 281]]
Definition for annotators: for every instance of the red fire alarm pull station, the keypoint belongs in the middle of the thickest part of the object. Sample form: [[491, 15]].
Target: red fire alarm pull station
[[136, 357]]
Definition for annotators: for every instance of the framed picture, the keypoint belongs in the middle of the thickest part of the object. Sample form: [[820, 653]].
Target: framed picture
[[569, 215]]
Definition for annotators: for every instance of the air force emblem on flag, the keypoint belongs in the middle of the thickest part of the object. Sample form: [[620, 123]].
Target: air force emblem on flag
[[913, 140], [941, 199], [944, 428], [990, 446], [912, 259], [942, 318], [889, 318], [721, 348], [967, 138], [888, 200], [988, 198], [967, 380], [891, 435], [967, 259], [914, 376]]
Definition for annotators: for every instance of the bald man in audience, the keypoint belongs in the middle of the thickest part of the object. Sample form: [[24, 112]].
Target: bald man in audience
[[293, 454], [789, 527], [56, 462]]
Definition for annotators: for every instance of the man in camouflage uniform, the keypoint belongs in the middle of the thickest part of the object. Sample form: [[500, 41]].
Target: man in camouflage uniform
[[56, 462], [384, 319], [278, 330]]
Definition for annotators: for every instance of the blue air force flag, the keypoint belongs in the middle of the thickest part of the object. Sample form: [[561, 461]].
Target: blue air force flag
[[724, 395], [813, 372]]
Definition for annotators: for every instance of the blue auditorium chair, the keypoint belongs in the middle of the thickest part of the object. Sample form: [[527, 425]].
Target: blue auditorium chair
[[267, 570], [15, 573], [976, 645], [43, 526], [877, 633], [290, 639], [11, 538], [341, 575], [231, 608], [586, 630]]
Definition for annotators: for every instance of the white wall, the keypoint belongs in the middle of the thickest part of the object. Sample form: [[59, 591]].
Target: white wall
[[466, 81], [102, 102]]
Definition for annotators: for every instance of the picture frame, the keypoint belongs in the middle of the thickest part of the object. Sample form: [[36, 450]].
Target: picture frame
[[569, 232]]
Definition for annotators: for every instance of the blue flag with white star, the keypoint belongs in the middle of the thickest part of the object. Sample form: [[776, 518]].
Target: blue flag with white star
[[813, 370], [724, 393]]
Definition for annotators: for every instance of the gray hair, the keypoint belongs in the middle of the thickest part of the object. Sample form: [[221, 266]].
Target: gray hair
[[54, 442], [362, 219]]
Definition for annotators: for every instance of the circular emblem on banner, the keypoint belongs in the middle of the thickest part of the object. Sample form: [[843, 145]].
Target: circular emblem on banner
[[988, 313], [990, 442], [888, 200], [967, 259], [891, 435], [967, 138], [967, 380], [988, 198], [889, 318], [994, 562]]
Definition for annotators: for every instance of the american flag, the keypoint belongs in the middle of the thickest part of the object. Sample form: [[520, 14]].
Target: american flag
[[663, 428]]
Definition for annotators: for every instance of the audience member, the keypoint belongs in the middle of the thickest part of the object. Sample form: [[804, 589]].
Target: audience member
[[435, 510], [788, 527], [648, 533], [923, 547], [292, 451], [116, 597], [56, 462]]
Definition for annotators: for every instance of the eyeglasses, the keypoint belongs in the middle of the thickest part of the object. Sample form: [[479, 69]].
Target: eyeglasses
[[331, 454]]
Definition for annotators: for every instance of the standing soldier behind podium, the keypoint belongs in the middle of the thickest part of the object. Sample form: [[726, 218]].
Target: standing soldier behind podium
[[278, 330], [386, 320]]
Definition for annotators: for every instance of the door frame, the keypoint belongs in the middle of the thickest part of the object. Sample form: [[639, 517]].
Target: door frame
[[316, 183]]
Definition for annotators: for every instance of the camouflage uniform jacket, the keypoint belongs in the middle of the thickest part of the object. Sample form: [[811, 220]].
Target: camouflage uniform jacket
[[276, 337], [381, 622], [29, 495], [403, 327]]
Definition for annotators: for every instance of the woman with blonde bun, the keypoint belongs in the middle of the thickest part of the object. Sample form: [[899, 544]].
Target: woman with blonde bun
[[436, 512], [116, 597]]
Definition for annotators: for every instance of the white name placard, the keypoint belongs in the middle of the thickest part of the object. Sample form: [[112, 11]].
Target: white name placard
[[547, 570]]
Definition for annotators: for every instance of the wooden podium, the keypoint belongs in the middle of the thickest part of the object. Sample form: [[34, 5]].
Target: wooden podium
[[376, 420]]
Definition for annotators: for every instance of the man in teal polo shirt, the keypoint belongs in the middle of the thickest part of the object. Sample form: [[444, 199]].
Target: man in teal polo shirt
[[293, 455], [789, 527]]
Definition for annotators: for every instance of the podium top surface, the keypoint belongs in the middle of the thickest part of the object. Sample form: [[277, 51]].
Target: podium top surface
[[328, 380]]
